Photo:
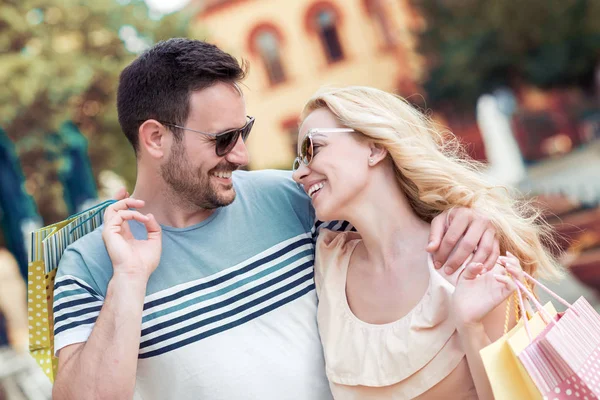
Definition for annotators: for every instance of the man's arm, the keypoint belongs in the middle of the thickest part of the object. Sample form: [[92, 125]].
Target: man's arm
[[105, 366], [459, 232], [455, 235]]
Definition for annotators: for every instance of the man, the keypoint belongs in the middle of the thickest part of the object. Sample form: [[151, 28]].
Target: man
[[204, 289]]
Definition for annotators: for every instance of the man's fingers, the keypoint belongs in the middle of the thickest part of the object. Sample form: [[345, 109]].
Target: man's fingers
[[454, 233], [438, 227], [152, 227], [121, 194], [485, 246], [121, 216], [495, 252], [120, 205], [466, 246]]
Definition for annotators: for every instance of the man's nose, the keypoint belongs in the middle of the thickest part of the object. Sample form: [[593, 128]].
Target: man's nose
[[239, 154]]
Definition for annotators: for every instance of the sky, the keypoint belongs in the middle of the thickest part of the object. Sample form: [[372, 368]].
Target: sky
[[166, 6]]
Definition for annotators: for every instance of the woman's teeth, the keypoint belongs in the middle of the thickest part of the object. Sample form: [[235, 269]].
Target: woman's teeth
[[314, 188]]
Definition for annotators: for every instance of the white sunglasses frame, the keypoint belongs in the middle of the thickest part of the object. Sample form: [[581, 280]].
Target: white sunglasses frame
[[303, 160]]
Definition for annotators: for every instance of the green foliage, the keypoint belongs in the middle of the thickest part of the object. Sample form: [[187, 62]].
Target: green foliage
[[474, 46], [60, 61]]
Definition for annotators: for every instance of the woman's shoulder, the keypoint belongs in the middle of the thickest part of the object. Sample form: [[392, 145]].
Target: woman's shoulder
[[332, 254], [331, 241]]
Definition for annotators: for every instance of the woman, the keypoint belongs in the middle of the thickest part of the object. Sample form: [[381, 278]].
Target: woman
[[392, 326]]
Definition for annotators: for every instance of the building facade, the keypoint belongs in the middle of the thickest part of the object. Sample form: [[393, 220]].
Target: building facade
[[296, 46]]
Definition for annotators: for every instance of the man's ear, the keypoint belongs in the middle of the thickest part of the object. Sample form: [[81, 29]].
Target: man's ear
[[153, 138], [378, 153]]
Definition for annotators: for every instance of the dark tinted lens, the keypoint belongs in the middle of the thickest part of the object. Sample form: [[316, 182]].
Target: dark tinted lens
[[227, 141], [306, 150], [246, 130]]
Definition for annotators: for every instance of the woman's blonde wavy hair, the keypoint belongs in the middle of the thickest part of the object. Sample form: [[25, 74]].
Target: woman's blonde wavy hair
[[435, 173]]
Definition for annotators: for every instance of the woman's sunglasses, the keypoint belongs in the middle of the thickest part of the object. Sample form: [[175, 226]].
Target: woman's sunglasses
[[225, 141], [306, 147]]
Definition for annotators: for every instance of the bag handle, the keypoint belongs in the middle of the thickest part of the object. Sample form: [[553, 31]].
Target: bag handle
[[519, 312], [98, 209], [524, 315], [77, 214], [550, 292], [548, 319]]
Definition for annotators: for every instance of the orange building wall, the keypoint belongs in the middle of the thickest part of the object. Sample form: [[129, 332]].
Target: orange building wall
[[368, 61]]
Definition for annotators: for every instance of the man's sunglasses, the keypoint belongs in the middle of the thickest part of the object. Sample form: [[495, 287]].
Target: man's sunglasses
[[306, 147], [225, 141]]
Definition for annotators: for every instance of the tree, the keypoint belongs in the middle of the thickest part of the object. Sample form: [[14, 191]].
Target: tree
[[472, 46], [60, 62]]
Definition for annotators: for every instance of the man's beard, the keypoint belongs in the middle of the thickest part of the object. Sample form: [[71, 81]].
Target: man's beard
[[192, 186]]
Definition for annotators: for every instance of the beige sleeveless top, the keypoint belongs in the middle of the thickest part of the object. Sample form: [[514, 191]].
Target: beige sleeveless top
[[399, 360]]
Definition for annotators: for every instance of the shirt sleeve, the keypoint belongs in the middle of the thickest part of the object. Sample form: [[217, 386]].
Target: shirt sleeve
[[335, 226], [77, 301]]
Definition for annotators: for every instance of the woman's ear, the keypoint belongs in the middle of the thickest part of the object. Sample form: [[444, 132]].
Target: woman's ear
[[378, 153], [152, 138]]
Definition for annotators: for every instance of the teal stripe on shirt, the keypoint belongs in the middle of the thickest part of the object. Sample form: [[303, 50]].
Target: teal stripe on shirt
[[227, 289]]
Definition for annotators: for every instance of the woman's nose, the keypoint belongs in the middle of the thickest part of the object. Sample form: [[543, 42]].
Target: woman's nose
[[301, 173]]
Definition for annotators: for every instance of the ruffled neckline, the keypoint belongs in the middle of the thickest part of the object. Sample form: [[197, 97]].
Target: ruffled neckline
[[361, 353]]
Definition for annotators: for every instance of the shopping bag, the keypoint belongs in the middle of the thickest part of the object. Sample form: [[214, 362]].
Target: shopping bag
[[508, 379], [39, 301], [564, 359], [47, 246]]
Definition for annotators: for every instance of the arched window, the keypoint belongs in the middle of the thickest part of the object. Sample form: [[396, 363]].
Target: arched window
[[324, 19], [265, 42], [377, 11]]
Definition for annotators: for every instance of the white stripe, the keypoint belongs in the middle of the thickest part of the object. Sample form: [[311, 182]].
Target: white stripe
[[337, 226], [259, 256], [79, 334], [70, 287], [313, 229], [81, 282], [82, 317], [76, 297], [225, 321], [248, 274], [71, 309], [233, 305], [224, 296]]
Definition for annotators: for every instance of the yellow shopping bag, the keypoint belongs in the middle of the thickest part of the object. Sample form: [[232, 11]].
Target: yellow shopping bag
[[47, 246], [40, 286], [508, 378]]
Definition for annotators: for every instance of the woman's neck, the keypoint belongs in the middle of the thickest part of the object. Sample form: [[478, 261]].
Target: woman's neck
[[387, 224]]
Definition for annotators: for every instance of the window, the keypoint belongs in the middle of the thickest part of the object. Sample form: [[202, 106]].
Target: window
[[377, 11], [265, 42], [323, 19], [327, 29]]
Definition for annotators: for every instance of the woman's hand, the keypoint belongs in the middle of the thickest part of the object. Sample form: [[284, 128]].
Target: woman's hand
[[479, 291]]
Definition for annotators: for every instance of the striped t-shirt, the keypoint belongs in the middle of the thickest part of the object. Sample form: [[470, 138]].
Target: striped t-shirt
[[230, 312]]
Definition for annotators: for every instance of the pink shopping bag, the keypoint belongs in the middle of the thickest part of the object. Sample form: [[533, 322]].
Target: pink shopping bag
[[564, 360]]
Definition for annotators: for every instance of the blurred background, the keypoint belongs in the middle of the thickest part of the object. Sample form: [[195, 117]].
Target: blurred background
[[517, 81]]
